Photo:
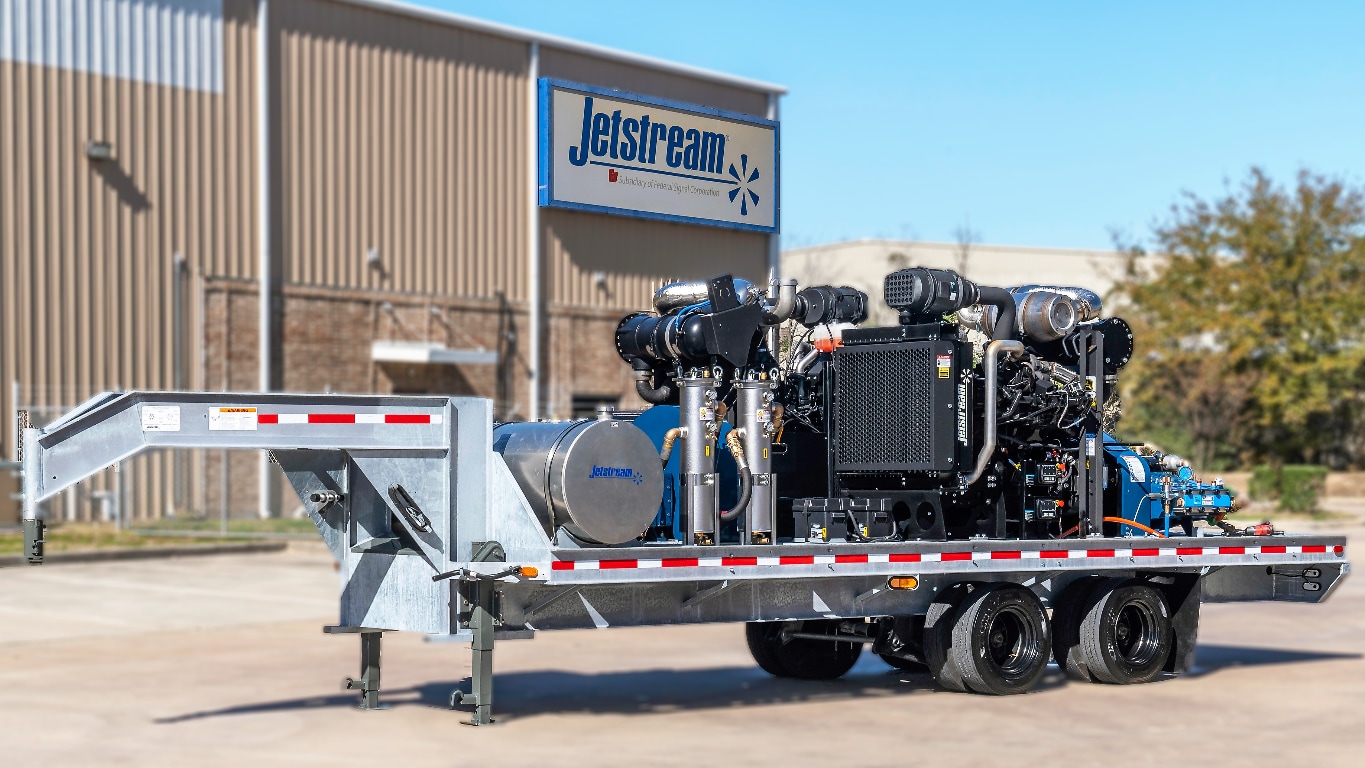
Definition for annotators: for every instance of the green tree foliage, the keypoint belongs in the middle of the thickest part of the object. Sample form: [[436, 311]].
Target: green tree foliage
[[1251, 327]]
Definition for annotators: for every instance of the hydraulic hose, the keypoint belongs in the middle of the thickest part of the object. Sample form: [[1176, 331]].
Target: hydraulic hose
[[991, 364], [735, 441], [1135, 524], [670, 437], [1004, 321], [659, 395]]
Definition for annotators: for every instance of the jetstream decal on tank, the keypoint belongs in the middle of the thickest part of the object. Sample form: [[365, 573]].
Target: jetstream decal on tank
[[621, 153], [623, 473]]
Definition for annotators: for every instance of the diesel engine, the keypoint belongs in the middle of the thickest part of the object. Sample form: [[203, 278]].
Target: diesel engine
[[984, 412]]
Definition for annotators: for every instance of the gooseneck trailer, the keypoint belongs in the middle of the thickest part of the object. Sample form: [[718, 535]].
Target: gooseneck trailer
[[945, 490]]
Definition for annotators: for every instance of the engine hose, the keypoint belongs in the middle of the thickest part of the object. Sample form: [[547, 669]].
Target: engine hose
[[1135, 524], [1004, 301], [670, 437], [991, 371], [746, 487], [655, 395], [735, 442]]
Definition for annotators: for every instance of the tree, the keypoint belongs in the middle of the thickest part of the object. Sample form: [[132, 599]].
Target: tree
[[964, 237], [1251, 331]]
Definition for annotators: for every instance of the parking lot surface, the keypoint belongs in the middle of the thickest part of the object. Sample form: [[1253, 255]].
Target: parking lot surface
[[221, 661]]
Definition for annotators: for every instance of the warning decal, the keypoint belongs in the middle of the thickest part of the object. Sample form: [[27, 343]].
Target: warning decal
[[945, 366], [236, 418], [160, 418]]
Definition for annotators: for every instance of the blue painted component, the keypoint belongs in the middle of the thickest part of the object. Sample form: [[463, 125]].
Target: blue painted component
[[1147, 492], [1136, 478], [656, 422]]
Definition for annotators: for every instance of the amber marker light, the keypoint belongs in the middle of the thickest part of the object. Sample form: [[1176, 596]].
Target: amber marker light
[[529, 572], [902, 582]]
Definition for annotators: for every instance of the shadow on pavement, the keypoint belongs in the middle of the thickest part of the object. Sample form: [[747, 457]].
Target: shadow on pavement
[[541, 692], [1212, 658]]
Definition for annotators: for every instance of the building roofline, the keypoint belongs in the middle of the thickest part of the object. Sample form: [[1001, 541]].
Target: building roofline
[[937, 244], [565, 44]]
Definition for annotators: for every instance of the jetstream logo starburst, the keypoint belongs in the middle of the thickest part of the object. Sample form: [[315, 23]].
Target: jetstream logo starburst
[[744, 177]]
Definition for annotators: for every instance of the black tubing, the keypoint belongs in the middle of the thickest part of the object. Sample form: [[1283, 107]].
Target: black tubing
[[1004, 301], [655, 395], [746, 488]]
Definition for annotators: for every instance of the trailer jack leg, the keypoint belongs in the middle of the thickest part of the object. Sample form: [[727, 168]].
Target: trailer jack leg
[[480, 594], [368, 684]]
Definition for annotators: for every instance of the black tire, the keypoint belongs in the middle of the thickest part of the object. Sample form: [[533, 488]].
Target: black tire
[[938, 636], [1125, 636], [800, 658], [1069, 608], [904, 664], [1002, 640]]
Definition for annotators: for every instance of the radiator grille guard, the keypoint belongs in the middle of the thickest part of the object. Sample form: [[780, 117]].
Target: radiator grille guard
[[896, 407]]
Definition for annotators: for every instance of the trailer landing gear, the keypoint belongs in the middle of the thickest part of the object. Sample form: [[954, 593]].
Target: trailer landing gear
[[479, 594], [368, 682]]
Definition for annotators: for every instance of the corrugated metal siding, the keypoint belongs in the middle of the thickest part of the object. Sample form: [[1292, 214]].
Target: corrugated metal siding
[[635, 256], [86, 287], [610, 74], [166, 42], [407, 137]]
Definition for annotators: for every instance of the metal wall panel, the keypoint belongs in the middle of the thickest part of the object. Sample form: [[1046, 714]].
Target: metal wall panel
[[597, 260], [403, 136], [165, 42], [393, 132], [87, 248], [569, 65]]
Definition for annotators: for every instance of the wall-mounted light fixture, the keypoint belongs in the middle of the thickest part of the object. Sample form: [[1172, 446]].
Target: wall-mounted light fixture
[[99, 151]]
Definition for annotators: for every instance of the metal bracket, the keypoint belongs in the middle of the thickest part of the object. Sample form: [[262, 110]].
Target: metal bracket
[[707, 594], [543, 604], [408, 508], [869, 595]]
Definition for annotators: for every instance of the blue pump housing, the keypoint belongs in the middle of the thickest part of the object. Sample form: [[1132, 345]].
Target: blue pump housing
[[669, 523], [1146, 492]]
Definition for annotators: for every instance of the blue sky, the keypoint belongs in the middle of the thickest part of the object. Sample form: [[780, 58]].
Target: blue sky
[[1045, 124]]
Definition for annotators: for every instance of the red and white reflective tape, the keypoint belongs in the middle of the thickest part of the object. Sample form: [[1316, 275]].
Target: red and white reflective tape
[[348, 418], [942, 557]]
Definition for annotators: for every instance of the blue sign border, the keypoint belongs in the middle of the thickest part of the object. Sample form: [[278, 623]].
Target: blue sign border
[[546, 173]]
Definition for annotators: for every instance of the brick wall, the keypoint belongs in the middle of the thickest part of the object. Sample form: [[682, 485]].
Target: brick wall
[[326, 335]]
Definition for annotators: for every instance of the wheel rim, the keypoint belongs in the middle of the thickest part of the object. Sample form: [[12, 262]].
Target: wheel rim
[[1135, 634], [1012, 643]]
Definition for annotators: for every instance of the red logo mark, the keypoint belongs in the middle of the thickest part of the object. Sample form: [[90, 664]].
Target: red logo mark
[[611, 175]]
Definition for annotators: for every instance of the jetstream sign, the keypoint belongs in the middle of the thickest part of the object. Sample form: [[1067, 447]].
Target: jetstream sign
[[621, 153]]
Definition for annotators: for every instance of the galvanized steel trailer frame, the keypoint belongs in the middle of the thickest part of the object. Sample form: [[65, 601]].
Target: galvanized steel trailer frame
[[432, 534]]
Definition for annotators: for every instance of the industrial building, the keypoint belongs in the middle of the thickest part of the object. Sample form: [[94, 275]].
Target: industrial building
[[310, 195], [862, 264]]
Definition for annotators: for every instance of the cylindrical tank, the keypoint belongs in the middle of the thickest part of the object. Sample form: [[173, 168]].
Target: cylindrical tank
[[754, 414], [601, 480], [701, 426]]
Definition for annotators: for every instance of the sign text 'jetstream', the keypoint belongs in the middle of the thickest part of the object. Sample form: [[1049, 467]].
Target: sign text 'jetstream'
[[620, 153]]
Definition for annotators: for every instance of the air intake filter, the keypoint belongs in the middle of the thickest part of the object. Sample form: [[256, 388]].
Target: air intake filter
[[921, 291]]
